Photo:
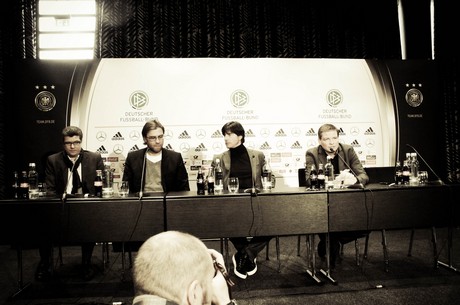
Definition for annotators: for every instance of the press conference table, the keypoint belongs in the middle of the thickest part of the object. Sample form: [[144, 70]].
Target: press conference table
[[281, 211]]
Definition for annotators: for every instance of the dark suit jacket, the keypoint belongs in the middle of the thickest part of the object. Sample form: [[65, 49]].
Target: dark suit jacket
[[257, 159], [317, 155], [57, 172], [174, 175]]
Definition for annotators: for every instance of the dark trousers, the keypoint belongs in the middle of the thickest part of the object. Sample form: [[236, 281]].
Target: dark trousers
[[335, 240], [252, 246]]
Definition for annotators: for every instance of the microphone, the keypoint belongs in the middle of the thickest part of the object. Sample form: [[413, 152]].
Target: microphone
[[439, 181], [141, 191], [64, 194], [252, 190], [358, 184]]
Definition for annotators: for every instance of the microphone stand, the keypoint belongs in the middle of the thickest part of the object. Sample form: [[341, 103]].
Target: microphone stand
[[141, 191], [253, 190], [64, 194], [439, 181], [358, 184]]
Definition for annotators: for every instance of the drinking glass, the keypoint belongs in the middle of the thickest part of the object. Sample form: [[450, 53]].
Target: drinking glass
[[233, 184], [423, 177], [124, 189]]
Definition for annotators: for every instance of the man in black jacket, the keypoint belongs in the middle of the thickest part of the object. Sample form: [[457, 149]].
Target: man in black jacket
[[71, 171], [154, 169], [344, 158]]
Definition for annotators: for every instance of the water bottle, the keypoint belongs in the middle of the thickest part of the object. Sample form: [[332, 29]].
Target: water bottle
[[405, 172], [414, 167], [267, 176], [398, 173], [24, 186], [313, 178], [32, 178], [210, 180], [218, 178], [321, 176], [98, 184], [200, 182], [329, 173]]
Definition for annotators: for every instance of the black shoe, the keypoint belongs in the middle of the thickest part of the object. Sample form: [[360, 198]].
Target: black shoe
[[239, 264], [43, 272], [251, 266], [87, 272]]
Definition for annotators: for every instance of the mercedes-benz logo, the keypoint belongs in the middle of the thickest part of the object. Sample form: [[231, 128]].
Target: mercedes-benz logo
[[184, 147], [280, 145], [370, 143], [168, 134], [101, 136], [296, 132], [354, 131], [200, 133], [118, 149], [265, 132], [217, 146], [134, 135]]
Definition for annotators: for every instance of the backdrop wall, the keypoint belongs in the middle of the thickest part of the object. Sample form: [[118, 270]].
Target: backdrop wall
[[379, 107]]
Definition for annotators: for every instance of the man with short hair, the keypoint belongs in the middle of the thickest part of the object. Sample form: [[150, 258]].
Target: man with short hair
[[173, 267], [246, 164], [71, 171], [155, 169], [343, 157]]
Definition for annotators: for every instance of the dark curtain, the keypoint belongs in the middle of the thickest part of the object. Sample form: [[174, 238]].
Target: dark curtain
[[254, 28], [247, 28], [18, 39]]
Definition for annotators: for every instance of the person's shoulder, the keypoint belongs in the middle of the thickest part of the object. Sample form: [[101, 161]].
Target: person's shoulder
[[94, 154], [346, 146], [133, 153], [170, 152], [254, 151]]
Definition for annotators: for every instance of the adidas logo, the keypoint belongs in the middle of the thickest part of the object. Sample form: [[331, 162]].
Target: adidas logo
[[134, 148], [216, 134], [341, 132], [296, 145], [249, 133], [102, 150], [184, 135], [369, 131], [310, 132], [265, 145], [355, 143], [201, 147], [280, 133], [117, 137], [169, 147]]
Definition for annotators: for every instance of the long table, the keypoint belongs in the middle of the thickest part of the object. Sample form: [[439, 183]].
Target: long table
[[281, 211]]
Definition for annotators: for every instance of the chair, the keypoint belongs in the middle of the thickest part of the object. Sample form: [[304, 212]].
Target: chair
[[433, 240]]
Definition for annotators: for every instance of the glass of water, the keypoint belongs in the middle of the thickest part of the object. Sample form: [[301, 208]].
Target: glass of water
[[233, 184], [123, 191]]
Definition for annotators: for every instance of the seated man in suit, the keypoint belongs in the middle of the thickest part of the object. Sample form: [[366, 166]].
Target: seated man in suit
[[344, 157], [71, 171]]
